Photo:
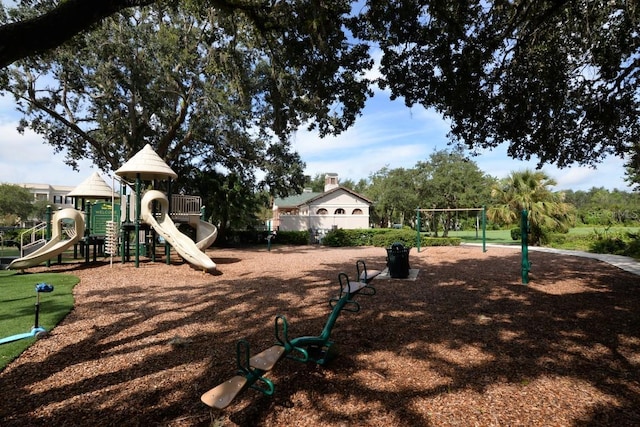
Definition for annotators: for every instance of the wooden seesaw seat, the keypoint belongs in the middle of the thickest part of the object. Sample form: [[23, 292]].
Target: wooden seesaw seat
[[252, 369], [221, 396]]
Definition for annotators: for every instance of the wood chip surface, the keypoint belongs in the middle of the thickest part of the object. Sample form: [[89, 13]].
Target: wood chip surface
[[465, 344]]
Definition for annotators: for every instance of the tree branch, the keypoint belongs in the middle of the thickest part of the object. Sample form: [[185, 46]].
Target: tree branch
[[19, 40]]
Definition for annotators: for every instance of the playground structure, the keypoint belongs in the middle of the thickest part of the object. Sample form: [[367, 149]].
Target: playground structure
[[147, 166], [317, 349], [162, 223], [107, 226], [58, 243], [36, 330]]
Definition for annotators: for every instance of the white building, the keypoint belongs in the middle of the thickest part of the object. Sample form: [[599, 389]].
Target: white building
[[336, 207], [54, 194]]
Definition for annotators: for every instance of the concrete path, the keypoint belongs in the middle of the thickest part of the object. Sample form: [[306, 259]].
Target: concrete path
[[622, 262]]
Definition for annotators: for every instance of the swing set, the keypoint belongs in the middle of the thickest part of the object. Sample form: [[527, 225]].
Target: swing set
[[481, 221]]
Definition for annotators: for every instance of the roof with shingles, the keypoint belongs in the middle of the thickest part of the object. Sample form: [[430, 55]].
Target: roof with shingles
[[306, 198], [295, 200]]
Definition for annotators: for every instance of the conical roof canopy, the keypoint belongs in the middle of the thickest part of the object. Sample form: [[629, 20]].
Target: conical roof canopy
[[93, 187], [148, 164]]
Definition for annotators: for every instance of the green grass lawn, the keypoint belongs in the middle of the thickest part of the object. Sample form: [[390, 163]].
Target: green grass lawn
[[503, 237], [500, 237], [17, 307]]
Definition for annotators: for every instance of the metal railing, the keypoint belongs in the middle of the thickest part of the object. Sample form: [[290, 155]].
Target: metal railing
[[185, 205]]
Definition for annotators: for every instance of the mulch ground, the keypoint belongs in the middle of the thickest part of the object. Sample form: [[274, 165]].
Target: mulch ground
[[466, 343]]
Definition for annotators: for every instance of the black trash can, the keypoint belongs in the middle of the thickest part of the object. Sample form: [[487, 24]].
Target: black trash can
[[398, 261]]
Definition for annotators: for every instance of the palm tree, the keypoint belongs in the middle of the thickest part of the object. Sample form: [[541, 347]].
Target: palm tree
[[530, 190]]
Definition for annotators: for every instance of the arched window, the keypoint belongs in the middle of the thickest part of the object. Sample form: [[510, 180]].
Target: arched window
[[339, 211], [357, 212], [322, 211]]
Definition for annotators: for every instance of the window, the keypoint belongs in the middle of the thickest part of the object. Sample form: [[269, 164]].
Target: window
[[322, 211], [339, 211], [357, 212], [57, 199]]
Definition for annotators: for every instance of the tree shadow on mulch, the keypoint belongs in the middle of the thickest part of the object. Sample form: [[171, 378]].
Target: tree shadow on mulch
[[476, 304]]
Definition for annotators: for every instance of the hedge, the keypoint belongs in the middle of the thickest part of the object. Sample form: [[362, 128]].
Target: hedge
[[384, 237]]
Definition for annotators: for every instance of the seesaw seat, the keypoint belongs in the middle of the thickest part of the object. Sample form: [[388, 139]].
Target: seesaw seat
[[266, 360], [220, 396]]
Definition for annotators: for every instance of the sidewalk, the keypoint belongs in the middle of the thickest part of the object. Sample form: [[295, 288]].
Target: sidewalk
[[622, 262]]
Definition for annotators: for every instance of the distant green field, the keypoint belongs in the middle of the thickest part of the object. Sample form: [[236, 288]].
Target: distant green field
[[503, 237]]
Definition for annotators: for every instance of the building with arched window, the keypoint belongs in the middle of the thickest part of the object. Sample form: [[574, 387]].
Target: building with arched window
[[336, 207]]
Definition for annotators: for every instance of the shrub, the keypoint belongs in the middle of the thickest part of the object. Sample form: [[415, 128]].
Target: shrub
[[406, 236], [291, 237], [440, 241], [358, 237], [515, 233], [384, 237]]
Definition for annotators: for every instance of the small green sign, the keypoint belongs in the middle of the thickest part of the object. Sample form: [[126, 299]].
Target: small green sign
[[101, 213]]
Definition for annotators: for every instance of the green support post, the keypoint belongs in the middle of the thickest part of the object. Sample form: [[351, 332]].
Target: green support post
[[419, 227], [48, 216], [484, 228], [167, 246], [137, 223], [524, 239], [124, 235], [87, 230]]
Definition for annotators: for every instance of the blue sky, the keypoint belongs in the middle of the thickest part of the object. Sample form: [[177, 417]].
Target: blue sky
[[387, 134]]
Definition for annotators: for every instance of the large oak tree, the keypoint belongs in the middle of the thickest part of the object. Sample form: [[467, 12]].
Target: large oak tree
[[209, 88], [554, 80]]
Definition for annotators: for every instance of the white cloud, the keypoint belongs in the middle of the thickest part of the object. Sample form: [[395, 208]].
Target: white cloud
[[27, 159]]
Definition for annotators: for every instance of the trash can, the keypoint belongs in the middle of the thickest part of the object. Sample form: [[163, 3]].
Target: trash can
[[398, 261]]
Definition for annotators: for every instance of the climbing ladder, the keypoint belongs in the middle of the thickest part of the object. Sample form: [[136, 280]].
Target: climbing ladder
[[317, 349]]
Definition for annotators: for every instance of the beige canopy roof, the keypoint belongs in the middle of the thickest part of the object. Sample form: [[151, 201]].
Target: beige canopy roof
[[93, 187], [148, 164]]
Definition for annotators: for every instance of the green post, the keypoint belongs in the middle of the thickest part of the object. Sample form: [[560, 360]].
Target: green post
[[419, 227], [87, 230], [124, 235], [48, 217], [137, 223], [167, 246], [484, 228], [524, 237]]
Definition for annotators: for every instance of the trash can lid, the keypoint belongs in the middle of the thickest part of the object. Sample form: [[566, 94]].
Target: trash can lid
[[397, 245]]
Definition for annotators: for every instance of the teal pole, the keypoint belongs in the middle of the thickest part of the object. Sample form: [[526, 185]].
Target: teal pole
[[419, 227], [167, 246], [484, 228], [124, 235], [87, 230], [524, 239], [137, 223], [48, 217]]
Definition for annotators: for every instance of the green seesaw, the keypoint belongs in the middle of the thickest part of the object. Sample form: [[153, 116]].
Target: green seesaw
[[317, 349]]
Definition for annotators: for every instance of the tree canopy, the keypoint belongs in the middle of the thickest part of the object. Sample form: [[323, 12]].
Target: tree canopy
[[15, 203], [554, 80], [211, 89]]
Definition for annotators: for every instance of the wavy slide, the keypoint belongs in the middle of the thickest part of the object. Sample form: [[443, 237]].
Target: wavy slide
[[164, 226], [56, 245]]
